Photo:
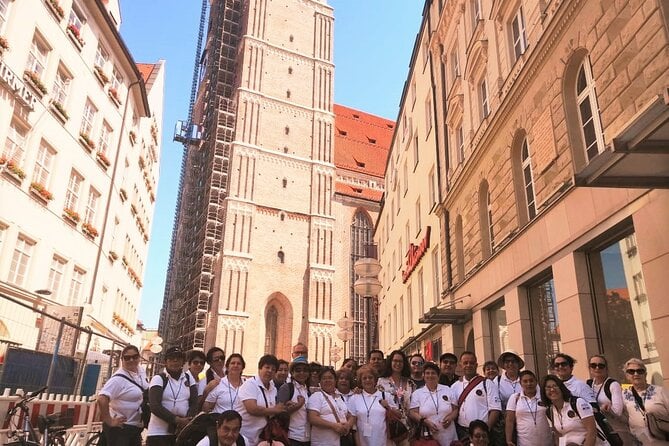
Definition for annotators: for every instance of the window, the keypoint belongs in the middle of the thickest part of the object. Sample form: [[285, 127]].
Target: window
[[73, 191], [528, 182], [409, 307], [476, 12], [460, 143], [88, 118], [483, 98], [433, 189], [518, 33], [436, 274], [4, 9], [400, 257], [116, 81], [92, 206], [43, 164], [419, 226], [624, 320], [407, 233], [55, 276], [37, 57], [428, 115], [545, 322], [421, 292], [416, 156], [77, 287], [15, 143], [272, 327], [588, 112], [485, 220], [105, 138], [18, 270], [405, 177], [361, 237], [455, 62], [426, 51], [281, 256], [401, 321], [499, 332], [101, 57], [459, 249], [61, 87], [76, 19], [413, 92]]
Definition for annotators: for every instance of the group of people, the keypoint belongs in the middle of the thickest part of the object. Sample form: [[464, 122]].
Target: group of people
[[389, 400]]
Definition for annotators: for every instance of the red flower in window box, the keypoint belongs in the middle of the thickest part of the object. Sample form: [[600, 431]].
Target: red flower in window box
[[71, 214], [41, 190], [103, 159], [72, 28], [89, 229]]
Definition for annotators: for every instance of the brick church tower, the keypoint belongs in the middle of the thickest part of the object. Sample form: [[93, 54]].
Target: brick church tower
[[251, 267]]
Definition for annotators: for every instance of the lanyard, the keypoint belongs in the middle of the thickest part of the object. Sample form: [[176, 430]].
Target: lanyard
[[434, 401], [175, 396], [536, 409], [369, 408], [232, 400]]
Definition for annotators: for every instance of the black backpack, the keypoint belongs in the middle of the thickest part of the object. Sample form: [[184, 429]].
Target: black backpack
[[604, 429]]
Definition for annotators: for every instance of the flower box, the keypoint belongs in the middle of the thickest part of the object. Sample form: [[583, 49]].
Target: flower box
[[133, 137], [103, 160], [56, 9], [123, 194], [40, 191], [113, 95], [113, 256], [154, 133], [124, 260], [89, 230], [35, 82], [75, 36], [152, 196], [4, 45], [133, 209], [60, 111], [13, 170], [86, 141], [71, 215], [141, 161], [100, 75]]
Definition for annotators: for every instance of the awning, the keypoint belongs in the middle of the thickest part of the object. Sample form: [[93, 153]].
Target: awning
[[450, 316], [638, 156]]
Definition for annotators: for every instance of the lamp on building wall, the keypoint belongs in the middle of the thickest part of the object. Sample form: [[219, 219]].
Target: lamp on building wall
[[369, 286], [346, 332]]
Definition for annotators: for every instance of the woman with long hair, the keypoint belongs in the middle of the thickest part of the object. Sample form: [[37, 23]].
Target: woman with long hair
[[225, 395], [526, 415], [397, 384], [643, 400], [571, 418]]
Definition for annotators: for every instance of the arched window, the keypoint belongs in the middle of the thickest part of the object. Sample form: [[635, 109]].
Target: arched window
[[485, 219], [271, 324], [528, 180], [361, 237], [588, 111], [281, 256], [459, 249], [284, 182]]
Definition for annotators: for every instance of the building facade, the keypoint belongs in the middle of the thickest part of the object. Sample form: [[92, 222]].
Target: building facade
[[79, 128], [553, 163]]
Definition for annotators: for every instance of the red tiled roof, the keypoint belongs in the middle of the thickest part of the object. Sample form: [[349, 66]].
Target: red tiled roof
[[358, 191], [145, 70], [362, 141]]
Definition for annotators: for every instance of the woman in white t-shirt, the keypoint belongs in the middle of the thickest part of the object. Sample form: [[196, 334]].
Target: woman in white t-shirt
[[573, 423], [368, 411], [435, 406], [225, 395], [327, 412], [120, 401], [527, 414]]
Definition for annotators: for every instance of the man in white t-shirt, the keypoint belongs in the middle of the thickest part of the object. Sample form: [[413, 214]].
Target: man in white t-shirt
[[173, 400], [478, 397], [563, 365]]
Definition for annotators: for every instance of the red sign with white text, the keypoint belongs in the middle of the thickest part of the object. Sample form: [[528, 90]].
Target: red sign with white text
[[415, 254]]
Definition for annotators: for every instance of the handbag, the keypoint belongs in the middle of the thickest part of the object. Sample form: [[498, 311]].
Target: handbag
[[396, 428], [344, 440], [423, 437], [273, 430], [657, 427]]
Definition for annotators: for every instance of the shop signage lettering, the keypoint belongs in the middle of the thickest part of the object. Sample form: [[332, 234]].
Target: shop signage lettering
[[16, 84], [415, 254]]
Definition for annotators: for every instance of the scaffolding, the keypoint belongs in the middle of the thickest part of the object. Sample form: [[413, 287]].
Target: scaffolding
[[200, 216]]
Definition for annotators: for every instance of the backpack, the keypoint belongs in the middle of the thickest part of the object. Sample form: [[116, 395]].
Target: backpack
[[607, 387], [604, 430]]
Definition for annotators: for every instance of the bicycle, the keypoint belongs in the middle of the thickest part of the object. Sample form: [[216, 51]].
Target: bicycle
[[52, 426]]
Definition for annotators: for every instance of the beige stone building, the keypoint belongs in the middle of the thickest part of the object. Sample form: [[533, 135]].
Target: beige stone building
[[258, 259], [553, 154], [80, 127]]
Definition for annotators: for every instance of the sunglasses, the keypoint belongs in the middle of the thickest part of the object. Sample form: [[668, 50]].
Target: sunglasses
[[218, 359], [635, 371], [130, 357], [560, 364], [598, 365], [417, 363]]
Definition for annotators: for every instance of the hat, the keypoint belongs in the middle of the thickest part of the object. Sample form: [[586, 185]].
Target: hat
[[174, 352], [300, 360], [516, 356], [448, 355]]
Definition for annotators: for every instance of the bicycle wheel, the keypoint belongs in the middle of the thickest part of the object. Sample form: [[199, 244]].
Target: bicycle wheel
[[96, 439], [56, 440]]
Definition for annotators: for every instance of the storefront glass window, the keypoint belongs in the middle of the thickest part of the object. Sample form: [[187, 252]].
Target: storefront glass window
[[499, 332], [624, 320], [545, 323]]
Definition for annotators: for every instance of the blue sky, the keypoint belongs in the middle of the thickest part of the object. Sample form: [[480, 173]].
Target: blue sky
[[373, 43]]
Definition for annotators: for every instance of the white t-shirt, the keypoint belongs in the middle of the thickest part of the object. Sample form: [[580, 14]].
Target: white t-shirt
[[579, 388], [435, 406], [570, 425], [225, 396], [125, 398], [176, 395], [479, 402], [253, 389], [318, 402], [370, 418], [201, 384], [531, 422], [507, 388], [298, 428]]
